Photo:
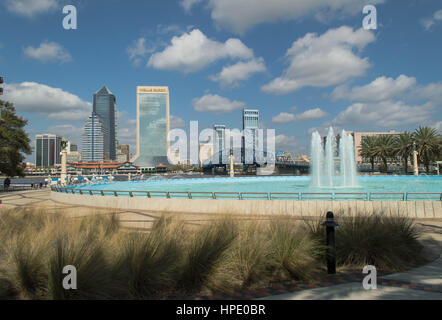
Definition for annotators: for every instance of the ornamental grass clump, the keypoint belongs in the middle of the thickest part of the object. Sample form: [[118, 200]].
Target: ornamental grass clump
[[389, 243]]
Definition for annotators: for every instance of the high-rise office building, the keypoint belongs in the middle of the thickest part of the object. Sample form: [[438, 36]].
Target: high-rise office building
[[93, 140], [105, 108], [220, 142], [72, 152], [250, 123], [123, 153], [72, 147], [152, 126], [47, 150]]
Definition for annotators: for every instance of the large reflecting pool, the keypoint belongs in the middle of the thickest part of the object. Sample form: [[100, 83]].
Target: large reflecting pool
[[274, 184]]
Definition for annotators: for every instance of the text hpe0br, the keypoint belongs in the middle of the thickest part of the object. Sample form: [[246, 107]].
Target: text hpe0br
[[240, 309]]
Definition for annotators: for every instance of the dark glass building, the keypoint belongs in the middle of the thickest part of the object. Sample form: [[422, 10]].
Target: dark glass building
[[105, 108], [47, 150]]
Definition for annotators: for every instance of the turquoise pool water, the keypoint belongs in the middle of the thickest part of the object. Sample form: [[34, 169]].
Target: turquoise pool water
[[274, 184]]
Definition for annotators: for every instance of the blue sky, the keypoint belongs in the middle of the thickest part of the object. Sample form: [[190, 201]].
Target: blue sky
[[305, 65]]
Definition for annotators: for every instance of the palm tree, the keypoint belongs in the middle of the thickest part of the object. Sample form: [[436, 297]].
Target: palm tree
[[403, 147], [368, 149], [428, 145], [384, 148]]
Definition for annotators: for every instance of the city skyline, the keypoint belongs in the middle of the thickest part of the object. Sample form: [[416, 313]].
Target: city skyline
[[216, 66]]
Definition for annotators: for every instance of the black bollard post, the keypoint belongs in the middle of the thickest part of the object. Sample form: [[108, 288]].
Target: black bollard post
[[330, 225]]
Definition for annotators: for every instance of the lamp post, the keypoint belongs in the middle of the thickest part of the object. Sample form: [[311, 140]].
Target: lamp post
[[63, 176], [232, 171], [330, 225]]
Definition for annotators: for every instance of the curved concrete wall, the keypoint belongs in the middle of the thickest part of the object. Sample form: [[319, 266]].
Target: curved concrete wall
[[413, 209]]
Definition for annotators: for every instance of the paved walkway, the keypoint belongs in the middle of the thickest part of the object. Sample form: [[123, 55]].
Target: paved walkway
[[420, 283], [423, 283]]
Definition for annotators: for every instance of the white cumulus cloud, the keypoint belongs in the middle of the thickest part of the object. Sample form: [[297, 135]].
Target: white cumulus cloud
[[215, 103], [48, 52], [188, 4], [138, 50], [386, 114], [381, 88], [241, 15], [322, 61], [242, 70], [176, 122], [55, 103], [30, 8], [429, 22], [284, 142], [311, 114], [193, 51]]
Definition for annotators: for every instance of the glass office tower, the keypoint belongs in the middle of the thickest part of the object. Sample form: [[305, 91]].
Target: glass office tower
[[250, 121], [93, 140], [152, 126], [47, 150], [220, 142], [105, 108]]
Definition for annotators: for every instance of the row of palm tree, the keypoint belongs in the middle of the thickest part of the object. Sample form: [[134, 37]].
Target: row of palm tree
[[426, 140]]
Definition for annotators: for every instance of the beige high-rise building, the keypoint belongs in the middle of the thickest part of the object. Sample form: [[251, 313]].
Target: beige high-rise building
[[358, 136]]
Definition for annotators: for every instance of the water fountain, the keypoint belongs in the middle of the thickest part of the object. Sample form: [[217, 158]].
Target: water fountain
[[323, 165]]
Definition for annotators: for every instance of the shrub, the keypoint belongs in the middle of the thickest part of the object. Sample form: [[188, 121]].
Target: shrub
[[203, 252], [295, 251], [387, 242], [148, 262]]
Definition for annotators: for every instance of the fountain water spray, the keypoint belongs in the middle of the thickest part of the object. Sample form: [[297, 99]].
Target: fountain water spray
[[323, 165], [330, 153], [317, 159], [348, 163]]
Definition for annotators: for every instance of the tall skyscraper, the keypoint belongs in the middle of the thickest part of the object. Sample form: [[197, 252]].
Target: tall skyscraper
[[93, 140], [105, 108], [152, 126], [47, 150], [220, 141], [250, 123]]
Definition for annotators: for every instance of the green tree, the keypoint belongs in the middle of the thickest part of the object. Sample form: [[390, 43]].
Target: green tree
[[403, 147], [368, 149], [428, 145], [384, 148], [13, 140]]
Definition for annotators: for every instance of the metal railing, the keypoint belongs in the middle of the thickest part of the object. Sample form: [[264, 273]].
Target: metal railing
[[325, 196], [21, 187]]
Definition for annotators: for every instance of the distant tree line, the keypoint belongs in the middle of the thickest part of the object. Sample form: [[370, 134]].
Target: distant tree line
[[426, 141]]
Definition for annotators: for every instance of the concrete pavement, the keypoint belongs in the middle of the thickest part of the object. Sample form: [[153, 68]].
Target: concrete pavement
[[355, 291], [422, 283]]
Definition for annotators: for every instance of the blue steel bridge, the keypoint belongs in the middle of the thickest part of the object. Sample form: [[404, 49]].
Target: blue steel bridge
[[220, 162]]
